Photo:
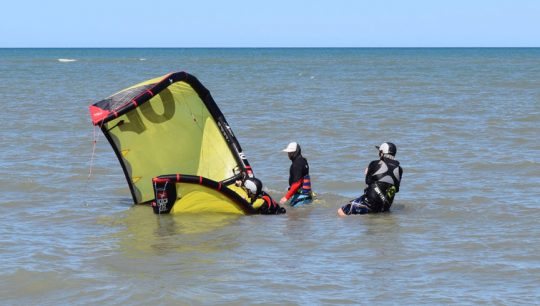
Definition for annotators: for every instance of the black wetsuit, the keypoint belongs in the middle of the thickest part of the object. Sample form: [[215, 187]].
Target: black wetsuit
[[299, 169], [383, 178], [269, 207]]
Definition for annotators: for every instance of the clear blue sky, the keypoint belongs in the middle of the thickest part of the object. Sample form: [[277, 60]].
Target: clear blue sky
[[275, 23]]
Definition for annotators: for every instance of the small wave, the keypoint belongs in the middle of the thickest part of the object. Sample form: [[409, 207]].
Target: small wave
[[66, 60], [142, 59]]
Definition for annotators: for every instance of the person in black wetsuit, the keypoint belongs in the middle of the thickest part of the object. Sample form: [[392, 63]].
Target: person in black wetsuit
[[383, 177], [253, 186], [299, 181]]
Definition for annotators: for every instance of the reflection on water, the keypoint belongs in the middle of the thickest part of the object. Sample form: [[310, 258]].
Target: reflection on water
[[145, 232]]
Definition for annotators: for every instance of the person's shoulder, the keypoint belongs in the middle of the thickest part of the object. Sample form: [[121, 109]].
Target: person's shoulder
[[300, 161], [397, 164], [267, 198], [374, 163], [391, 161]]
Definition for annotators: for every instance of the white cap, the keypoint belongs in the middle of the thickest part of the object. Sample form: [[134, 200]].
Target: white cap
[[291, 147]]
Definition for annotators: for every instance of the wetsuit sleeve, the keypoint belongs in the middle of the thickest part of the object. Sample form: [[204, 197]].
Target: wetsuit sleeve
[[372, 168], [400, 175], [294, 188]]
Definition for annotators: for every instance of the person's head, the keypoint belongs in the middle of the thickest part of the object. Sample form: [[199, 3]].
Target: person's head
[[387, 150], [253, 187], [293, 150]]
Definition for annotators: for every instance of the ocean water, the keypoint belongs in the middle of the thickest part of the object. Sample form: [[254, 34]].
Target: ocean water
[[463, 230]]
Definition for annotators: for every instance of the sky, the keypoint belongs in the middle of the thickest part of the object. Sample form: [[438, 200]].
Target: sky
[[276, 23]]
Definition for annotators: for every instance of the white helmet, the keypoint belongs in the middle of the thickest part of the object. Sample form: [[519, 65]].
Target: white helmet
[[387, 148], [253, 185]]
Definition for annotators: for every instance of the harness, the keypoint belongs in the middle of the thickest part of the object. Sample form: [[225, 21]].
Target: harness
[[382, 177], [384, 199], [306, 186]]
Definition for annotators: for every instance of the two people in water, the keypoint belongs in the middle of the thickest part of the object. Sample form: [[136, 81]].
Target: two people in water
[[299, 190]]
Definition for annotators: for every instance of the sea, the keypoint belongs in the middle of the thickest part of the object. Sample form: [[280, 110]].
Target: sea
[[464, 228]]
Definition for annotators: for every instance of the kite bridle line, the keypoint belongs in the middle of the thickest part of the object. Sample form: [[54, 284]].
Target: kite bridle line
[[94, 145]]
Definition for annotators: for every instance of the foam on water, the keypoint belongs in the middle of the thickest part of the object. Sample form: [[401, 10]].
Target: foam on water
[[66, 60]]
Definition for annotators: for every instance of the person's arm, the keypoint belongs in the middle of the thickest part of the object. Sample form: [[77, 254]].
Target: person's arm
[[400, 175], [370, 170], [296, 177], [292, 190]]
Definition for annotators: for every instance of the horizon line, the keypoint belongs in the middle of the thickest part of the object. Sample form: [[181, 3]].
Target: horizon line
[[267, 47]]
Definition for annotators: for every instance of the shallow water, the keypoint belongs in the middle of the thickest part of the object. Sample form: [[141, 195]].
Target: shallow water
[[463, 230]]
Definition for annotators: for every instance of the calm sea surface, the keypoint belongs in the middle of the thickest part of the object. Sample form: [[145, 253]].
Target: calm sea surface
[[463, 230]]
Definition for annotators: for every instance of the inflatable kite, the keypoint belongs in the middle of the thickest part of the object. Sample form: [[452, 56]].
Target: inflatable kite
[[175, 147]]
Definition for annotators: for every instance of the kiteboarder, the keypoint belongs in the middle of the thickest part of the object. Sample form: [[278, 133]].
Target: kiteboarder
[[299, 191], [253, 187], [383, 177]]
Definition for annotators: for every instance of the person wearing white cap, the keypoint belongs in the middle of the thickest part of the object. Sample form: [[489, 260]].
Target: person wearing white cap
[[383, 177], [299, 192]]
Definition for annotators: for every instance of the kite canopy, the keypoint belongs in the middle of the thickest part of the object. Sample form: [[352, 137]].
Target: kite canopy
[[174, 145]]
